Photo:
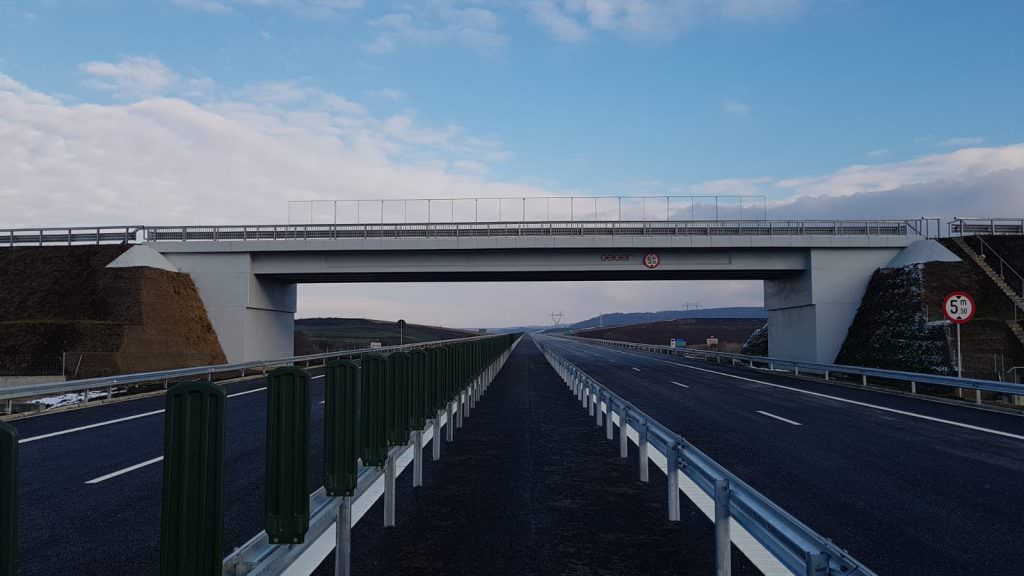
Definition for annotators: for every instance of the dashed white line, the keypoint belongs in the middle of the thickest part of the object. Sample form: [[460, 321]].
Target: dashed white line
[[122, 471], [636, 369], [89, 427], [125, 419], [779, 418], [254, 390], [849, 401], [680, 384]]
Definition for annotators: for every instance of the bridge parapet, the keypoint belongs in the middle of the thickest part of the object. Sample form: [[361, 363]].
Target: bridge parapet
[[650, 228]]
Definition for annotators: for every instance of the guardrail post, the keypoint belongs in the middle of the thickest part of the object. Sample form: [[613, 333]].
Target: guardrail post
[[864, 380], [8, 499], [389, 490], [624, 433], [644, 468], [672, 472], [723, 539], [609, 429], [913, 387], [287, 490], [192, 519], [343, 538], [597, 409], [977, 396], [590, 399]]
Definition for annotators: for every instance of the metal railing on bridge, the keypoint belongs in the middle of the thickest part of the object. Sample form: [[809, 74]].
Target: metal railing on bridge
[[797, 547], [995, 226], [702, 228], [308, 232], [70, 236], [379, 411]]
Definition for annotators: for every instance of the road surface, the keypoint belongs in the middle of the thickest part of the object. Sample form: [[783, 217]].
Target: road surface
[[908, 486]]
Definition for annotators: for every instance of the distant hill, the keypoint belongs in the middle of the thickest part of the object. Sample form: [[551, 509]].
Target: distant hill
[[730, 332], [621, 319], [314, 335]]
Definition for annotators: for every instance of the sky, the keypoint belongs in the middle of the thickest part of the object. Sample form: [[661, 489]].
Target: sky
[[223, 111]]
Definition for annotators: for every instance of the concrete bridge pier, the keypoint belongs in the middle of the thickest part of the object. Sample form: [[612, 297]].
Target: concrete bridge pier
[[810, 312], [253, 315]]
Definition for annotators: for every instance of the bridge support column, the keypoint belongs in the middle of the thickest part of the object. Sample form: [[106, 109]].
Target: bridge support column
[[809, 313], [254, 317]]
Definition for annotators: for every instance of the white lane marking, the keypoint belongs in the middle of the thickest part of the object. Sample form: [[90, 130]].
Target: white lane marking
[[780, 418], [849, 401], [119, 420], [89, 427], [323, 401], [122, 471], [680, 384], [636, 369], [254, 390]]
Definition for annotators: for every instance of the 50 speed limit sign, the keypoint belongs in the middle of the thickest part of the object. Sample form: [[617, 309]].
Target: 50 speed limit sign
[[959, 307]]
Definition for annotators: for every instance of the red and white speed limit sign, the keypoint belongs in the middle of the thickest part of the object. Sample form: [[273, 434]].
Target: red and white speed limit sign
[[959, 307], [652, 260]]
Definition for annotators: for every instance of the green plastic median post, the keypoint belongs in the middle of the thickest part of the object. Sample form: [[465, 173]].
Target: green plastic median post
[[287, 489], [397, 399], [418, 412], [341, 428], [8, 499], [192, 523], [373, 445], [341, 452]]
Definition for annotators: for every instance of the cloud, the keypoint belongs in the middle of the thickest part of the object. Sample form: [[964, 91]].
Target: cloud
[[212, 6], [878, 153], [308, 8], [736, 108], [437, 23], [969, 164], [574, 20], [231, 156], [961, 142], [389, 94], [129, 78]]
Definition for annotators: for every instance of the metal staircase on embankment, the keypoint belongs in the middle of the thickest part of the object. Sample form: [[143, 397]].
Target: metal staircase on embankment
[[1001, 277]]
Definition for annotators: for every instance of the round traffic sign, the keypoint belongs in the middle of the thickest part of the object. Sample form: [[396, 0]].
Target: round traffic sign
[[958, 307], [652, 260]]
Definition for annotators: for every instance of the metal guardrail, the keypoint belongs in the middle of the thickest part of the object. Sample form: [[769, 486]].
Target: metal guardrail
[[826, 370], [258, 557], [652, 228], [1000, 226], [375, 414], [107, 383], [799, 548], [543, 229], [71, 235]]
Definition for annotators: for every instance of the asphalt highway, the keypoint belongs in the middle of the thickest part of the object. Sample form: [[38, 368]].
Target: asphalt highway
[[90, 482], [908, 486]]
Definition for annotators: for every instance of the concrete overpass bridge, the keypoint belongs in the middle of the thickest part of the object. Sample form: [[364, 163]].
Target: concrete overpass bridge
[[814, 272]]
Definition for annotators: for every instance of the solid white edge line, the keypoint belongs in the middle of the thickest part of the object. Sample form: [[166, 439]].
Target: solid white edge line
[[124, 470], [840, 399], [779, 418], [680, 384], [125, 419]]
